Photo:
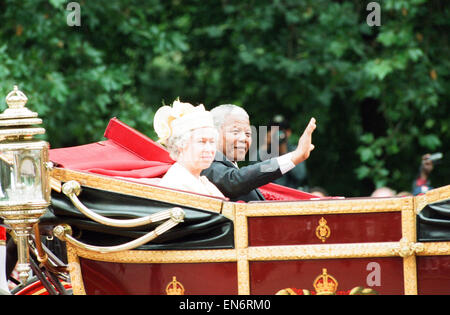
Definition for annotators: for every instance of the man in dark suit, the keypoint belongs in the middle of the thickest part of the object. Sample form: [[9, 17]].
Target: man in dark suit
[[235, 137]]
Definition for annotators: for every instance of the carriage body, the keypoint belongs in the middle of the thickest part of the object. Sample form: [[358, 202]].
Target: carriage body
[[292, 244], [273, 247]]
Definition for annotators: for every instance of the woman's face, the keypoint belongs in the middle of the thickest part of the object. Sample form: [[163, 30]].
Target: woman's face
[[200, 149]]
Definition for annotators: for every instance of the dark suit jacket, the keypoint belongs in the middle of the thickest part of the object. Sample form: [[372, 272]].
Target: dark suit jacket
[[241, 184]]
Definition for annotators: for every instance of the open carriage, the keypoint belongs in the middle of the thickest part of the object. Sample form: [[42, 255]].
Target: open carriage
[[123, 234]]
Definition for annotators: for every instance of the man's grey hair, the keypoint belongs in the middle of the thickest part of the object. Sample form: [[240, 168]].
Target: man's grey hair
[[221, 113]]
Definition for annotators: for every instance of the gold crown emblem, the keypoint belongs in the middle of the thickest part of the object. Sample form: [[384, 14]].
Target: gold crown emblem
[[325, 283], [174, 287]]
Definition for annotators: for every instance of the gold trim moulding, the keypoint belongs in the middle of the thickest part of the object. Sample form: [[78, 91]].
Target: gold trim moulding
[[323, 251], [431, 196], [323, 207], [435, 249], [159, 256], [267, 253]]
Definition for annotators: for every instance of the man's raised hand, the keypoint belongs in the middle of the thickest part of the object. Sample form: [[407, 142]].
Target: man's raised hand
[[304, 146]]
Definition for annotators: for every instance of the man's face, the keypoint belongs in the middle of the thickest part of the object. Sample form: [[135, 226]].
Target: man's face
[[235, 137]]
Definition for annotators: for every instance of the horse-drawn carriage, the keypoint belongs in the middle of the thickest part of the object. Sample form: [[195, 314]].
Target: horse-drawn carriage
[[117, 232]]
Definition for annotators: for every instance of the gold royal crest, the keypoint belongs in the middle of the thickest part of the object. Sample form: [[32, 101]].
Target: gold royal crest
[[323, 231]]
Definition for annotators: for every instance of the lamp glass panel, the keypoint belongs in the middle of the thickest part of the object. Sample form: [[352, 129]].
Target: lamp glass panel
[[20, 176]]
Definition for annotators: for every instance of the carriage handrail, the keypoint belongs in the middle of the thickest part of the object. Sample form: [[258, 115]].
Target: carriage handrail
[[64, 233], [72, 189]]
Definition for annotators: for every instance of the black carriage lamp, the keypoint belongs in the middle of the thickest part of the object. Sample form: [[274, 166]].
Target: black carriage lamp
[[24, 174]]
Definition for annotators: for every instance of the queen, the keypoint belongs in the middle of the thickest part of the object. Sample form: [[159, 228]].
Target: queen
[[189, 135]]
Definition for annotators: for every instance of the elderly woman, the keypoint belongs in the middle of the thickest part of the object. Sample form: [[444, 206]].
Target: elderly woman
[[190, 137]]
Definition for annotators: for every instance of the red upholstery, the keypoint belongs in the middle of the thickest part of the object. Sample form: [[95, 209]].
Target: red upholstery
[[273, 191], [2, 234]]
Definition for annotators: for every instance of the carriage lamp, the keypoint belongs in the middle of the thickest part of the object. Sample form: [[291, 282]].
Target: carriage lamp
[[24, 177]]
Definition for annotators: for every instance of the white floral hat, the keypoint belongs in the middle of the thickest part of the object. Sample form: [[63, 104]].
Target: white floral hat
[[180, 118]]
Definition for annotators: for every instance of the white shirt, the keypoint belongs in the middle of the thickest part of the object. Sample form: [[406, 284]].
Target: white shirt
[[178, 177], [284, 162]]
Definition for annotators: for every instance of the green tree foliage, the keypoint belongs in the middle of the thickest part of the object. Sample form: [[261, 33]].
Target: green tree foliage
[[379, 94]]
